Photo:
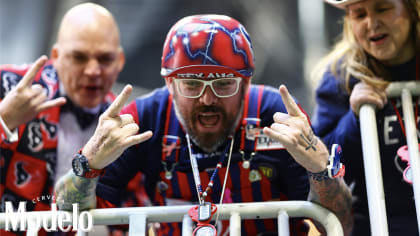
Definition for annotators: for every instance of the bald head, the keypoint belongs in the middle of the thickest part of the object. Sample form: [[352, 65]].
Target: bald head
[[87, 55], [88, 18]]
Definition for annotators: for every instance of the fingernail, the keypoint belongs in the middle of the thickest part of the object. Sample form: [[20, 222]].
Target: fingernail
[[36, 87]]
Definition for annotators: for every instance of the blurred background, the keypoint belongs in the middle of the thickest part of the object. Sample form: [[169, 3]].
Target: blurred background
[[288, 36]]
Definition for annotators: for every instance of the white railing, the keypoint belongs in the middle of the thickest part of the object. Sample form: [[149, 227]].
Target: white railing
[[369, 134], [138, 217]]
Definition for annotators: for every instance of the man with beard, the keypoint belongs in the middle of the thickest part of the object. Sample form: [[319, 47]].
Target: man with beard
[[207, 115]]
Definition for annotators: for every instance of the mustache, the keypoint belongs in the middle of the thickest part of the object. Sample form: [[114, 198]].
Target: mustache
[[201, 109]]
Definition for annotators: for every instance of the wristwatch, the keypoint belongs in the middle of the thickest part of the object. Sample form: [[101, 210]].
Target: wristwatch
[[334, 168], [81, 167]]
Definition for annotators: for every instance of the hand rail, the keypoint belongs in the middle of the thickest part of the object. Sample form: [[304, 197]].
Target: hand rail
[[371, 156], [374, 182], [235, 212], [411, 132]]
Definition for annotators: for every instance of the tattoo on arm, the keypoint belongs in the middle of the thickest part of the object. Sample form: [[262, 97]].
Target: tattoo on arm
[[74, 189], [311, 140], [334, 195]]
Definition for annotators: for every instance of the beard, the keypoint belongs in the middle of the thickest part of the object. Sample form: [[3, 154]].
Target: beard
[[208, 142]]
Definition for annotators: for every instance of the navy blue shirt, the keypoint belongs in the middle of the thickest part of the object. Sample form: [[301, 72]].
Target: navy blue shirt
[[335, 122]]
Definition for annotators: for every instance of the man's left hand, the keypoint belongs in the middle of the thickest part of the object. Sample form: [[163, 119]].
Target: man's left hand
[[296, 135]]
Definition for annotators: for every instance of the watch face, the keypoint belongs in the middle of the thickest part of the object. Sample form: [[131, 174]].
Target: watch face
[[334, 165], [77, 167], [333, 171]]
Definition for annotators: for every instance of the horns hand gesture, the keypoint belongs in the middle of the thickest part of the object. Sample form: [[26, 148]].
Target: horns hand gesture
[[114, 133], [292, 129], [26, 100]]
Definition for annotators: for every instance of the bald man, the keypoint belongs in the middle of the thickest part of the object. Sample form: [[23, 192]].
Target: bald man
[[49, 110]]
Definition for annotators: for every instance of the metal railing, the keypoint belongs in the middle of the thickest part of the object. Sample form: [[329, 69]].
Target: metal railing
[[138, 217], [369, 135]]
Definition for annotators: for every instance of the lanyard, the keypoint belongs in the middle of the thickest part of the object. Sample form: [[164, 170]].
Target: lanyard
[[400, 118], [417, 101], [196, 173]]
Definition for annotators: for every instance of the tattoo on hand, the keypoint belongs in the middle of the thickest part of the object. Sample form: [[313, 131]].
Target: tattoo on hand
[[311, 140]]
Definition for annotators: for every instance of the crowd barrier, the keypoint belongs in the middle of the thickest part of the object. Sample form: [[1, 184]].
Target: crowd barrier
[[138, 217], [371, 156]]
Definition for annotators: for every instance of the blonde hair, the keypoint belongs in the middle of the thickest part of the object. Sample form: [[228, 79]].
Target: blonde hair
[[349, 59]]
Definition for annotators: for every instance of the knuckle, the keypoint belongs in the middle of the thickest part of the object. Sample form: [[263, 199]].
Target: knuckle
[[102, 117], [295, 134], [299, 123], [19, 88], [275, 126], [132, 128], [294, 141], [108, 124], [135, 129], [33, 103], [43, 97], [130, 118]]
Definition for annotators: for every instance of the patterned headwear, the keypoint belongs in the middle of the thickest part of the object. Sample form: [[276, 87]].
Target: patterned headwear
[[207, 46]]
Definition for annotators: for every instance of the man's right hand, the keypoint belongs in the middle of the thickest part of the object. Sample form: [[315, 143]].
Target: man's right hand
[[26, 100], [114, 134]]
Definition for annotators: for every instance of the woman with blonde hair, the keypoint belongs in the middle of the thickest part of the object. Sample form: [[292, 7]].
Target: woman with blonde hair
[[380, 43]]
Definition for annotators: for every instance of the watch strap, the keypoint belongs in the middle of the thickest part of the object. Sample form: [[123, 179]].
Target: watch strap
[[88, 172], [93, 173], [320, 176]]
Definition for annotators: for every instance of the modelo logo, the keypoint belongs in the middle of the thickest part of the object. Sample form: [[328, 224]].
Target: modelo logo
[[205, 75], [34, 220]]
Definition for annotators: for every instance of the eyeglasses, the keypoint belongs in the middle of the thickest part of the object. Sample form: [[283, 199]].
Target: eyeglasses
[[194, 88]]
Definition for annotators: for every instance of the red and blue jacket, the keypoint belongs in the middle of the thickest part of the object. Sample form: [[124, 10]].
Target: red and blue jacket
[[164, 160]]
